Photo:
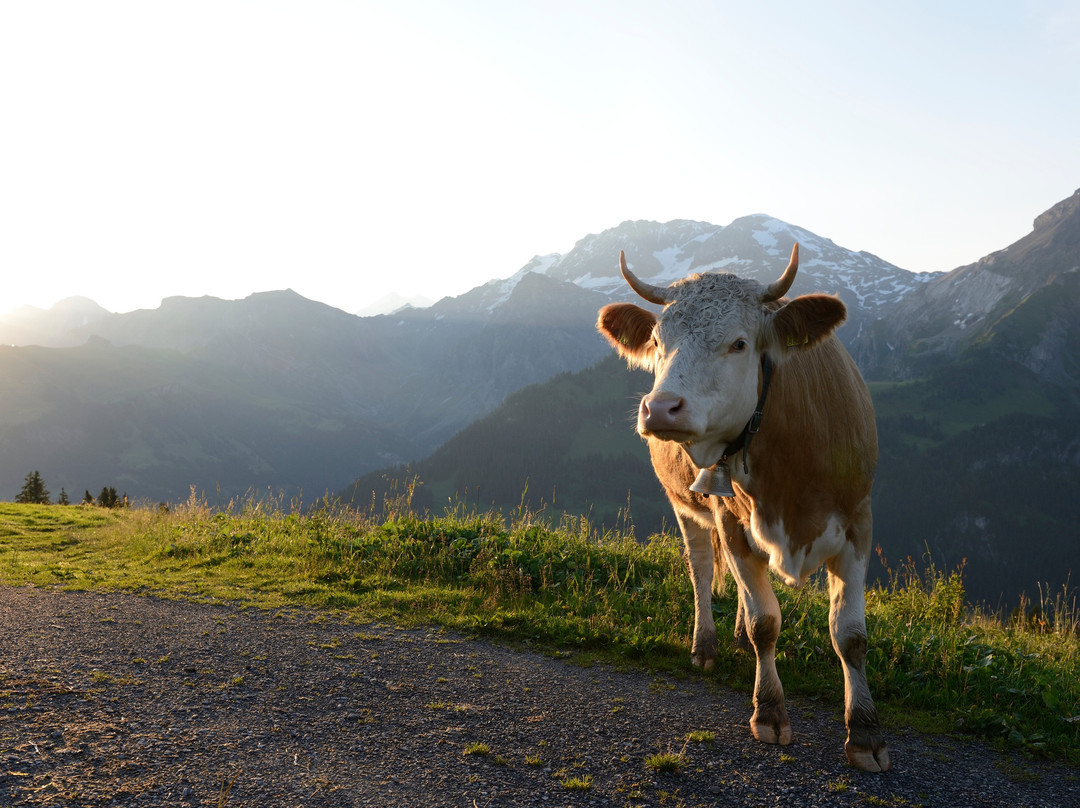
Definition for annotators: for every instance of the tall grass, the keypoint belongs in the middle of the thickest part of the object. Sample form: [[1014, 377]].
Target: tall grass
[[565, 587]]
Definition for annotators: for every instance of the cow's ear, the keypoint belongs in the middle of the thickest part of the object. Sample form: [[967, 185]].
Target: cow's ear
[[629, 329], [803, 321]]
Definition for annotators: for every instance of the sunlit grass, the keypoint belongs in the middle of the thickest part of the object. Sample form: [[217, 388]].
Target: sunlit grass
[[564, 587], [665, 762]]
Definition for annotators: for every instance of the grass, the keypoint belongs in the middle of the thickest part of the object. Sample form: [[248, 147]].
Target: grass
[[582, 783], [665, 762], [931, 662]]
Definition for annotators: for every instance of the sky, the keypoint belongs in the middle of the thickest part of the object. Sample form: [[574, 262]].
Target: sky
[[347, 150]]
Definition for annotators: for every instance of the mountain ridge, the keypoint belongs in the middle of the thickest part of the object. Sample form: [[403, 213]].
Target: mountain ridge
[[297, 380], [658, 252], [957, 311]]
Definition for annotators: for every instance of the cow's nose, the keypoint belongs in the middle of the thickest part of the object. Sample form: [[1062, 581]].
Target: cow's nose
[[660, 412]]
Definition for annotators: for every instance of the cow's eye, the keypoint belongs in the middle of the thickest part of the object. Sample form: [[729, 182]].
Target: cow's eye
[[738, 346]]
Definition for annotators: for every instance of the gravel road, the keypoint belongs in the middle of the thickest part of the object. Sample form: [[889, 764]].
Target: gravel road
[[116, 699]]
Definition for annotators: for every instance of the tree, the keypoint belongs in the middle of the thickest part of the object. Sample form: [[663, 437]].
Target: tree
[[88, 498], [107, 498], [63, 498], [33, 490]]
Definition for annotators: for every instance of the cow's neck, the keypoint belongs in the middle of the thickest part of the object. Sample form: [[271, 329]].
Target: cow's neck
[[742, 442]]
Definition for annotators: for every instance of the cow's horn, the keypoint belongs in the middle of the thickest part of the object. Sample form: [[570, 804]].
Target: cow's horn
[[654, 294], [779, 288]]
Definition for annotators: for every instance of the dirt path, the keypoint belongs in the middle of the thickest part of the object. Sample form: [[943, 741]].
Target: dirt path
[[116, 699]]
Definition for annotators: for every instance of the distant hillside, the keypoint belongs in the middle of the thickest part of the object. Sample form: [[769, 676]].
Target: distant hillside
[[980, 466], [272, 392], [153, 422], [567, 445]]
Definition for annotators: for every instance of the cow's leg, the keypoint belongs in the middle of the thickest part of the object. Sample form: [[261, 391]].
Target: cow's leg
[[721, 564], [699, 554], [865, 746], [761, 613], [742, 633]]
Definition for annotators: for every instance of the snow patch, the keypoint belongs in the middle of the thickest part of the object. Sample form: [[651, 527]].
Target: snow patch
[[765, 238], [673, 268], [542, 264]]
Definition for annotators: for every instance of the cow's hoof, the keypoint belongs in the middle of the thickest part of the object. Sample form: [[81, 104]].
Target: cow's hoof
[[771, 732], [867, 759], [702, 661]]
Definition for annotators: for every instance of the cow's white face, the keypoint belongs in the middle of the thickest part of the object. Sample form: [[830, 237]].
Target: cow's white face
[[706, 358], [705, 350]]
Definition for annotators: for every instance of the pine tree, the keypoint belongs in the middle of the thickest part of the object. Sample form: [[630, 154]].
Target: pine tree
[[63, 498], [33, 490], [107, 498], [88, 498]]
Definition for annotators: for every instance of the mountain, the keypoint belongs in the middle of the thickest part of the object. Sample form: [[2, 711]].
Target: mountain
[[1021, 303], [393, 303], [548, 424], [30, 325], [755, 247], [273, 392], [979, 468], [283, 393]]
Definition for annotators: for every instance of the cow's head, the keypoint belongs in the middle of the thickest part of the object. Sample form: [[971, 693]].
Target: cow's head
[[705, 350]]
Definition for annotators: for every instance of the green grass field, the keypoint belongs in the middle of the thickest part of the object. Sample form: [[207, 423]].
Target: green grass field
[[564, 588]]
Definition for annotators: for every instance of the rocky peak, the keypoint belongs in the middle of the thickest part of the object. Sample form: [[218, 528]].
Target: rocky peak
[[1014, 297]]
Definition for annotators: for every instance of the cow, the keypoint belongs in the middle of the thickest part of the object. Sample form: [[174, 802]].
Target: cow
[[755, 397]]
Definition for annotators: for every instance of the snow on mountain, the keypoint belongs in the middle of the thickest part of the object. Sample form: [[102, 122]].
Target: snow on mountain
[[755, 246], [1020, 300]]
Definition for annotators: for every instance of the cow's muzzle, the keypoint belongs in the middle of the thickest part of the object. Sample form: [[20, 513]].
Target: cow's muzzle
[[665, 417]]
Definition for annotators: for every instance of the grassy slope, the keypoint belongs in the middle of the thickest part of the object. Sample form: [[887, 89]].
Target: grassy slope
[[565, 588]]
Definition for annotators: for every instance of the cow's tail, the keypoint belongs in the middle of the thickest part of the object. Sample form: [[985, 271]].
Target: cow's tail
[[720, 567]]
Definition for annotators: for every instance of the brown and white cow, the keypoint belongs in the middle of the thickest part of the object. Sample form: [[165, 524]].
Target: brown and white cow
[[730, 355]]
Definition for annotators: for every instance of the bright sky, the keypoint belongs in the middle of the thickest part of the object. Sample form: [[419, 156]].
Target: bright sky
[[349, 149]]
